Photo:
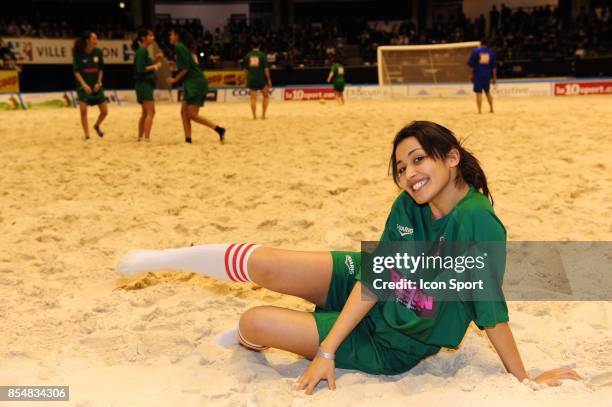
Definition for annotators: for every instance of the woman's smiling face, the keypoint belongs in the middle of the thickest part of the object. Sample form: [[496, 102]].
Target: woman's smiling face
[[423, 177]]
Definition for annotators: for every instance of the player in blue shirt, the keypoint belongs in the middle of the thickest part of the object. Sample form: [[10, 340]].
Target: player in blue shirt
[[482, 61]]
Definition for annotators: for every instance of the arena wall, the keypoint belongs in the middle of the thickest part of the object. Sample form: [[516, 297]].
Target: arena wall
[[516, 88], [35, 77]]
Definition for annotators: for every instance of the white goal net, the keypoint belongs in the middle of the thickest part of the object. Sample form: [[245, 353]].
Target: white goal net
[[436, 63]]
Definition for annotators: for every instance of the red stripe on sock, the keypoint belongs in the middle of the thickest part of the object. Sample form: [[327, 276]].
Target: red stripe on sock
[[242, 262], [235, 258], [227, 252], [250, 345]]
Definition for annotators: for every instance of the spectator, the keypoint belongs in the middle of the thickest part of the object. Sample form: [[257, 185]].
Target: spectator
[[493, 21], [7, 58]]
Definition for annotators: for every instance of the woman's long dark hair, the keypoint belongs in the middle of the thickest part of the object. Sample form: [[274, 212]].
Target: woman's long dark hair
[[140, 36], [437, 141], [81, 43], [186, 38]]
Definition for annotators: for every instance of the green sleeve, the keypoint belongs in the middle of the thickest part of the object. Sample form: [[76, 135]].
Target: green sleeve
[[182, 57], [490, 236], [100, 60], [264, 60]]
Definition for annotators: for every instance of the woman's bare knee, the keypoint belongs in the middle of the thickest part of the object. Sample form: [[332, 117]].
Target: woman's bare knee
[[269, 326], [254, 322]]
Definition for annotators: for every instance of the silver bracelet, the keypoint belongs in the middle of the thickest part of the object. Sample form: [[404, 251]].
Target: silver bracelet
[[326, 355]]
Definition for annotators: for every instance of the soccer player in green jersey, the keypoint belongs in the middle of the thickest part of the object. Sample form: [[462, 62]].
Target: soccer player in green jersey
[[144, 81], [444, 198], [195, 84], [336, 74], [257, 73], [88, 68]]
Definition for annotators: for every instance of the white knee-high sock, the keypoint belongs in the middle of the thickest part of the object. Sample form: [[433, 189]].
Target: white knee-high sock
[[223, 261]]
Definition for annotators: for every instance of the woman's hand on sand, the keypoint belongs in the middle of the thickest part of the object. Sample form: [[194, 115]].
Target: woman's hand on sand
[[319, 369], [553, 377]]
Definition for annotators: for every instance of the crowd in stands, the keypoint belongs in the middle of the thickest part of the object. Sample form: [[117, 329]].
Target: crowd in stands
[[534, 33], [7, 58], [313, 44], [61, 29], [537, 33], [513, 33]]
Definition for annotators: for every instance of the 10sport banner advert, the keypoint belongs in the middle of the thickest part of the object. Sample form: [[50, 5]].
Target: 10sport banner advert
[[59, 51]]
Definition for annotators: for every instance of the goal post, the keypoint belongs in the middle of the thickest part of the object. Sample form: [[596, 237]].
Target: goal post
[[431, 63]]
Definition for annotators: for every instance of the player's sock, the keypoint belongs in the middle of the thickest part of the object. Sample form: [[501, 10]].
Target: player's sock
[[188, 140], [250, 345], [98, 130], [228, 262], [221, 132], [227, 338]]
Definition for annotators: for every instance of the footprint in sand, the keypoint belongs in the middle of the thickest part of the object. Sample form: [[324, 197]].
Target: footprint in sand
[[304, 223], [222, 228], [48, 238], [182, 230], [267, 224], [337, 191], [601, 380]]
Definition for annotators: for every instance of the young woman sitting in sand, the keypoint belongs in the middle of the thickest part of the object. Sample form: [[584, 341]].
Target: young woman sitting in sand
[[445, 198]]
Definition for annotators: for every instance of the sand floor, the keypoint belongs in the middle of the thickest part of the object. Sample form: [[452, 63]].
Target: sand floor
[[313, 176]]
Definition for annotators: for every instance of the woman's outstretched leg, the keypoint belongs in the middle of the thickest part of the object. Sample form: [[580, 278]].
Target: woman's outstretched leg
[[193, 113], [303, 274]]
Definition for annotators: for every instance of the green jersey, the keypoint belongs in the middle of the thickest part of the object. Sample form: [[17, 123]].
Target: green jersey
[[195, 84], [255, 63], [145, 80], [185, 59], [337, 70], [88, 65], [141, 61], [444, 323]]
